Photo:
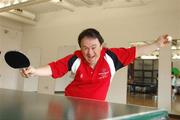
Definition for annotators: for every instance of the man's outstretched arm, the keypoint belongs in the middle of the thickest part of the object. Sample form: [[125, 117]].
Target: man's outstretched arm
[[149, 48], [31, 71]]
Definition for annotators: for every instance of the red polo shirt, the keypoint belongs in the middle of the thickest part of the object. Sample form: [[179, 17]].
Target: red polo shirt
[[92, 83]]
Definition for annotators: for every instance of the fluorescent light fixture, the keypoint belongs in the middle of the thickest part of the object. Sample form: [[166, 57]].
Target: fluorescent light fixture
[[2, 4], [18, 18], [149, 57], [173, 47], [23, 13], [54, 1], [124, 3], [64, 4], [176, 57], [7, 5], [11, 2]]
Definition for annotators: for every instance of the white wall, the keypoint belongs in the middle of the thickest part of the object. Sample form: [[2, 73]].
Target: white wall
[[10, 39], [61, 83], [31, 84]]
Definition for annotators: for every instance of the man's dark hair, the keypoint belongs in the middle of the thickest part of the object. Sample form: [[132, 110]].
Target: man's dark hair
[[91, 33]]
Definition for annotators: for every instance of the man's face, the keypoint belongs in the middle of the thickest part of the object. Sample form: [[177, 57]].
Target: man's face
[[91, 50]]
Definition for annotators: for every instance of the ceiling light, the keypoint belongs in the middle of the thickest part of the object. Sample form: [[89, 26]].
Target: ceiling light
[[149, 57], [176, 57], [7, 5], [173, 47], [64, 4], [54, 1], [23, 13]]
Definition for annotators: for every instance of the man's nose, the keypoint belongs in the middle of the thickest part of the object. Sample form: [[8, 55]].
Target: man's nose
[[90, 51]]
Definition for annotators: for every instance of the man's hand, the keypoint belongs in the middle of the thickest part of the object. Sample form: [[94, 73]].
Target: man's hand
[[31, 71], [163, 40], [28, 72]]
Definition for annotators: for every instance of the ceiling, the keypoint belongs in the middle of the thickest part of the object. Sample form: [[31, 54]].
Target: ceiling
[[43, 6], [26, 11]]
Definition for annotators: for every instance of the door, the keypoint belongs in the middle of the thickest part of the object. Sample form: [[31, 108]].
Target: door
[[9, 40]]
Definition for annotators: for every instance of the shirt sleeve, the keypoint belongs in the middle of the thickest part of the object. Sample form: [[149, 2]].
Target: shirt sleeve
[[60, 67], [125, 55]]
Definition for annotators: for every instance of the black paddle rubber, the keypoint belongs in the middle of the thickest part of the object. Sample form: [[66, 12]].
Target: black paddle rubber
[[16, 59]]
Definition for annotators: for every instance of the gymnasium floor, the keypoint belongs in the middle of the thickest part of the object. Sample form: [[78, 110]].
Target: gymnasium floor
[[148, 100]]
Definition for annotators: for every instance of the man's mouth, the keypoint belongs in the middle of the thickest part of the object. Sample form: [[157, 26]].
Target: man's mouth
[[90, 57]]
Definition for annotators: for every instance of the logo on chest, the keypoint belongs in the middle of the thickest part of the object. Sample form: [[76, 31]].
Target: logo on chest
[[103, 74]]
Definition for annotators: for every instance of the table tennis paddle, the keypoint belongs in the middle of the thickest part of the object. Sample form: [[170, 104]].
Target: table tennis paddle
[[16, 60]]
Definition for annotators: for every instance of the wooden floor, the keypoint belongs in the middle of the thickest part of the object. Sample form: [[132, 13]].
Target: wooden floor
[[176, 105], [151, 101], [141, 99]]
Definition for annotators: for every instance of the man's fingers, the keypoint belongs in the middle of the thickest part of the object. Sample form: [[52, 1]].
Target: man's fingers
[[25, 72]]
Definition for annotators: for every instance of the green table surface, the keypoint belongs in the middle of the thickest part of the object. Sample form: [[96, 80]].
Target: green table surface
[[18, 105]]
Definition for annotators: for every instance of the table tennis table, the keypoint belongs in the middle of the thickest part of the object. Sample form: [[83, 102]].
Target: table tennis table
[[19, 105]]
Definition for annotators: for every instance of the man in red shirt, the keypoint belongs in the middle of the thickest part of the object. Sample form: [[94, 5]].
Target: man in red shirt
[[93, 66]]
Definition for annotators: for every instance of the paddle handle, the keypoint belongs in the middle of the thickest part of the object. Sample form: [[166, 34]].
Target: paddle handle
[[22, 71]]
